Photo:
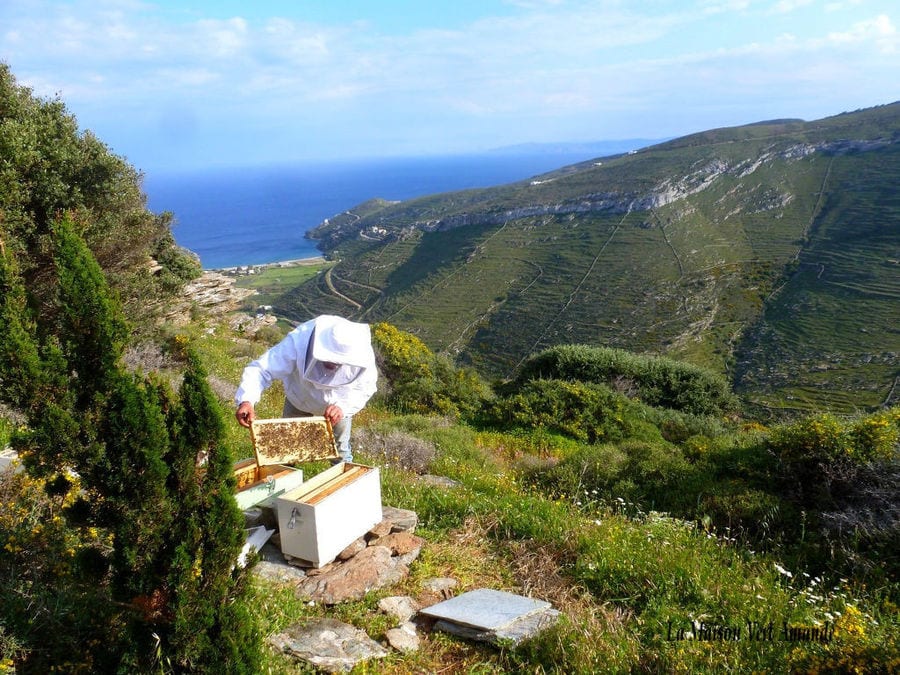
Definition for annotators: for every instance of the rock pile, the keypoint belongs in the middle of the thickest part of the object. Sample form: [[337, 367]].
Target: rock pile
[[212, 292], [377, 560]]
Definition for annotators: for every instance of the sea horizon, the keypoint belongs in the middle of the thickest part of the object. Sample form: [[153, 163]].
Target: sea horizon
[[231, 217]]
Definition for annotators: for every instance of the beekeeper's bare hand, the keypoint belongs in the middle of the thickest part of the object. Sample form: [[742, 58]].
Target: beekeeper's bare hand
[[245, 414], [334, 414]]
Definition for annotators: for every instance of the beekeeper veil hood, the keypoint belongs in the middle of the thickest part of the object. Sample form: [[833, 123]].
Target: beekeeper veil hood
[[337, 340]]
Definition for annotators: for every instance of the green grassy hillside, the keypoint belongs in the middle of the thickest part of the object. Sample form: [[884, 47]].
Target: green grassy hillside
[[767, 252], [626, 490], [832, 333]]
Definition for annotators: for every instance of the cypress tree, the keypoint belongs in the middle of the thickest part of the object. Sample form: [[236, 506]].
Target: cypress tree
[[92, 326], [34, 378], [20, 363], [208, 627], [176, 531]]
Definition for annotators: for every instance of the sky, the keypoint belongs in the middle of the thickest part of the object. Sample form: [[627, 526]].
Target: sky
[[184, 84]]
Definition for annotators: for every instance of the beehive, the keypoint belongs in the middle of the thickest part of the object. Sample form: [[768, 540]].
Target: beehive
[[257, 484], [324, 515], [292, 440]]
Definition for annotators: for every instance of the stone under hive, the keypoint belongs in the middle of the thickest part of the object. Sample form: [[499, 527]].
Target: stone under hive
[[292, 440]]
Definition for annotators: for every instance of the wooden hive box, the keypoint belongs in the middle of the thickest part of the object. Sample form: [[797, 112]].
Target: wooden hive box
[[320, 518], [258, 484]]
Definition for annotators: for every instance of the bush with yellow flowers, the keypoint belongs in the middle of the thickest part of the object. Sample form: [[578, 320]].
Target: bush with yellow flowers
[[827, 439], [823, 455], [420, 381], [43, 555]]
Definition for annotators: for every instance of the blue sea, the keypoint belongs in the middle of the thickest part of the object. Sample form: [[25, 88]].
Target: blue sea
[[251, 216]]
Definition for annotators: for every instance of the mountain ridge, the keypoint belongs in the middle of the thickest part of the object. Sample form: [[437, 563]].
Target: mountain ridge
[[688, 248]]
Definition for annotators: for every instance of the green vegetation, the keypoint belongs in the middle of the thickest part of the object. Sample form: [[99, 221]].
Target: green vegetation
[[272, 281], [762, 252], [143, 541], [49, 168], [635, 492], [417, 380], [836, 317], [668, 520], [658, 382]]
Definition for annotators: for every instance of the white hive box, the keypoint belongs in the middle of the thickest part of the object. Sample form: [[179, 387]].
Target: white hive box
[[319, 519]]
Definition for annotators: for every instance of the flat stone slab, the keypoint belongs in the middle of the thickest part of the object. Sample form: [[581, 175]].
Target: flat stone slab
[[514, 633], [492, 616], [328, 644], [278, 573], [485, 608], [9, 457]]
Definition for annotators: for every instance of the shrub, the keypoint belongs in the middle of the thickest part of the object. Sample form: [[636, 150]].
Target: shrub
[[395, 448], [736, 507], [874, 437], [164, 575], [825, 438], [51, 168], [843, 474], [269, 335], [51, 603], [419, 381], [588, 473], [678, 427], [660, 472], [656, 381], [584, 411], [810, 441]]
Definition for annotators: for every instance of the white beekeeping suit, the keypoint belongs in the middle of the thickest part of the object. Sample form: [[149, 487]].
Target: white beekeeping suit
[[325, 363]]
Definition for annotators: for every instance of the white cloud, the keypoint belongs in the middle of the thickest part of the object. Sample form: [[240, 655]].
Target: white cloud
[[879, 31], [571, 66], [188, 77], [723, 6], [533, 4], [787, 6], [844, 4], [222, 38]]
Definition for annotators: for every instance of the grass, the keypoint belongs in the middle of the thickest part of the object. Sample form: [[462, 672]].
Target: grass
[[621, 578], [272, 281], [829, 337], [630, 583], [625, 581], [6, 429]]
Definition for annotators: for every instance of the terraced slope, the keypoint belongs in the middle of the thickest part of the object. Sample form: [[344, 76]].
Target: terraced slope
[[767, 251]]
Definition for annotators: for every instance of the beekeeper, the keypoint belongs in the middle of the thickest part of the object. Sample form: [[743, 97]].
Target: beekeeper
[[327, 367]]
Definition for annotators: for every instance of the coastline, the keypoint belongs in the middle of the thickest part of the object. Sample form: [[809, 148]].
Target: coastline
[[254, 269]]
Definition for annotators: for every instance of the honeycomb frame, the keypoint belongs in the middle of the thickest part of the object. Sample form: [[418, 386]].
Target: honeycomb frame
[[292, 440]]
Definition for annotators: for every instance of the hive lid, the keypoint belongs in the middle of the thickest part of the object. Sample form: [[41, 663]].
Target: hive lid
[[292, 440]]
